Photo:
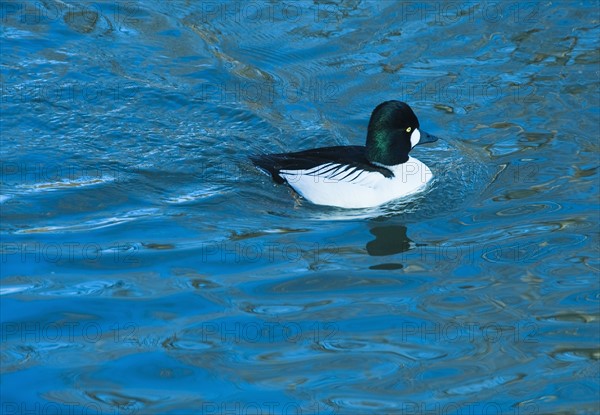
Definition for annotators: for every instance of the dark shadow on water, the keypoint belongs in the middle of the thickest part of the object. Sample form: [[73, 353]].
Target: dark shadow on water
[[389, 240]]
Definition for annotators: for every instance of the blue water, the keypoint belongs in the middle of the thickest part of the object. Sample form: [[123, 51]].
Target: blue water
[[149, 268]]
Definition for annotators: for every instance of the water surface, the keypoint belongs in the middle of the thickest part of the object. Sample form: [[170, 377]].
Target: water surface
[[148, 267]]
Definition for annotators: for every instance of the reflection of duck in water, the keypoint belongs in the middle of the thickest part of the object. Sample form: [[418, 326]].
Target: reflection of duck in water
[[389, 240], [359, 176]]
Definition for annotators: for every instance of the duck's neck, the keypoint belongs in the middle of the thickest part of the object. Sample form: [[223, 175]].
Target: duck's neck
[[385, 148]]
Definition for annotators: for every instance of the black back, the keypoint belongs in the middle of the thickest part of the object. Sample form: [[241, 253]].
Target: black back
[[352, 156]]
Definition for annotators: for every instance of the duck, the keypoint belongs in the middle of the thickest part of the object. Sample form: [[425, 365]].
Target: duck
[[355, 177]]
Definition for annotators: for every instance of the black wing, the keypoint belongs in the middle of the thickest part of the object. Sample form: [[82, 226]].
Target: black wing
[[352, 156]]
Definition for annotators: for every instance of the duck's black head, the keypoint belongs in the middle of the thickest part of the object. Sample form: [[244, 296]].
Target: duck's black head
[[393, 132]]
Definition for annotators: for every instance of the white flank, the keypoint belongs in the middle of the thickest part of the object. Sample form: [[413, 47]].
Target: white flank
[[342, 186]]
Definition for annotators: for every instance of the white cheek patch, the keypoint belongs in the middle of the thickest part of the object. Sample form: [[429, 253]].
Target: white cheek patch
[[415, 137]]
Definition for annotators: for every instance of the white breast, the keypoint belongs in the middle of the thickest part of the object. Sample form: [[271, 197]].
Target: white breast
[[338, 185]]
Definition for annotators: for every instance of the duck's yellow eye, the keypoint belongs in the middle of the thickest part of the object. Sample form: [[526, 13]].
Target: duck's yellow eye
[[408, 129]]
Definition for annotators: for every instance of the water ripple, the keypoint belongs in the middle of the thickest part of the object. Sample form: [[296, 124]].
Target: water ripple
[[93, 224]]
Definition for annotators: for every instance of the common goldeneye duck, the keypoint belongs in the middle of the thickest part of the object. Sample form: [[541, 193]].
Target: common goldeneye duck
[[358, 176]]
